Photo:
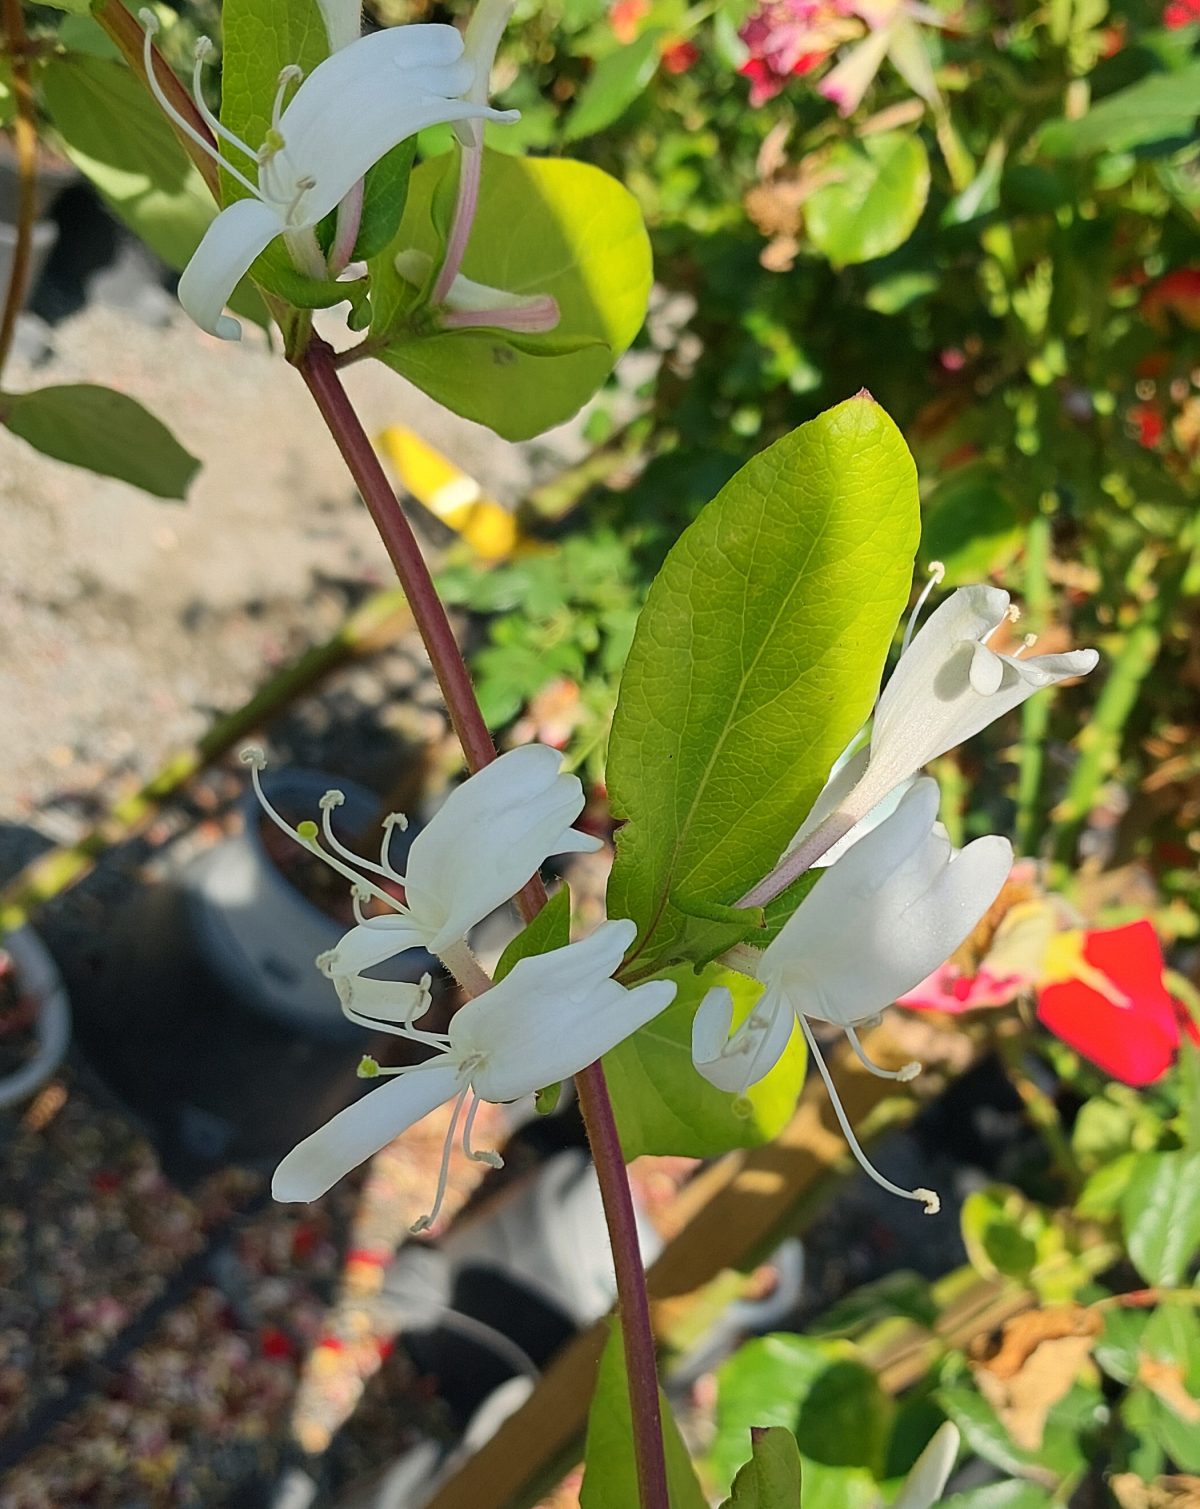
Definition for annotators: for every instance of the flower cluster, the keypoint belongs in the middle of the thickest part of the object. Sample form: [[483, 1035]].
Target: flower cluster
[[551, 1016]]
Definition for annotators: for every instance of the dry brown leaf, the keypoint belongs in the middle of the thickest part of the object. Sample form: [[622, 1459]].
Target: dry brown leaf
[[1166, 1380], [1032, 1365], [1175, 1492]]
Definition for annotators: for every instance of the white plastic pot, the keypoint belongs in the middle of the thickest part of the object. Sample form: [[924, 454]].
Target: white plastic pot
[[38, 977]]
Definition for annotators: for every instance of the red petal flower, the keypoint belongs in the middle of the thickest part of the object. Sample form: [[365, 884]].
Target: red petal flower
[[1116, 1012]]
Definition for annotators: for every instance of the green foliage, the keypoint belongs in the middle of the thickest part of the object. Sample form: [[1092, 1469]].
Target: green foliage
[[771, 1478], [661, 1103], [609, 1474], [551, 928], [873, 198], [105, 432], [756, 658], [1155, 109], [542, 227], [617, 81], [1160, 1214]]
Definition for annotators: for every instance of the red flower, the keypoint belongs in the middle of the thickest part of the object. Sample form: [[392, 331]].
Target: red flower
[[1179, 13], [1176, 293], [626, 18], [1148, 424], [1106, 999], [678, 57]]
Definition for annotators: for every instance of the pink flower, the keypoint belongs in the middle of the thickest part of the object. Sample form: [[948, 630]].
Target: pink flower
[[892, 33], [788, 38]]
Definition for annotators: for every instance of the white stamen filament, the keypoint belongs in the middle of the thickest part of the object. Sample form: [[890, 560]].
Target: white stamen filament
[[480, 1155], [333, 799], [292, 74], [904, 1074], [1011, 614], [423, 1223], [150, 30], [927, 1197], [1026, 644], [937, 573], [391, 822]]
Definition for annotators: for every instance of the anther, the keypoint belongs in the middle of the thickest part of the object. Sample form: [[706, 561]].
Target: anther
[[149, 20], [368, 1067], [202, 49], [324, 962], [254, 756], [1026, 644], [332, 798], [396, 820]]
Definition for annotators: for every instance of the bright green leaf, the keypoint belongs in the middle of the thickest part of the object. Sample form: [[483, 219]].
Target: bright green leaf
[[609, 1474], [1160, 1215], [615, 83], [970, 526], [1158, 108], [663, 1106], [871, 205], [543, 226], [1010, 1495], [756, 658], [984, 1433], [551, 928], [825, 1395], [771, 1478], [105, 432]]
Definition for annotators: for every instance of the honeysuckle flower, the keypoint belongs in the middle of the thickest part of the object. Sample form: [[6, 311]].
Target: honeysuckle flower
[[550, 1017], [894, 905], [468, 304], [788, 38], [1103, 993], [357, 104], [928, 1475], [343, 22], [892, 33], [487, 839], [948, 685]]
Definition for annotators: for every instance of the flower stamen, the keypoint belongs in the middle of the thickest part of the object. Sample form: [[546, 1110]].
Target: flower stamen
[[423, 1223], [903, 1074], [927, 1197], [478, 1155], [937, 573]]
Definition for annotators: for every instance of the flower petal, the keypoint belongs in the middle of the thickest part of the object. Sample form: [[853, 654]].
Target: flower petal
[[230, 244], [343, 22], [911, 61], [490, 835], [929, 1473], [369, 944], [553, 1015], [850, 80], [754, 1049], [358, 1132], [382, 1000]]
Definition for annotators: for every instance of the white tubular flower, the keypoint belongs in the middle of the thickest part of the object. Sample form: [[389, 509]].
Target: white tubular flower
[[892, 908], [948, 685], [930, 1472], [343, 22], [356, 105], [550, 1017], [468, 304], [486, 840], [484, 30]]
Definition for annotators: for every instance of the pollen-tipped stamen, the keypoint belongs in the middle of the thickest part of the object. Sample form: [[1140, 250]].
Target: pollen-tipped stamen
[[927, 1197], [903, 1074], [328, 802], [423, 1223], [483, 1154], [391, 822], [937, 573]]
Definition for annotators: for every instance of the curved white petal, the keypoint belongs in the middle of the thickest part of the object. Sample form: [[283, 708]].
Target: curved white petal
[[948, 686], [382, 1000], [358, 1132], [230, 244], [369, 944], [365, 98], [931, 1471], [753, 1050], [885, 915], [490, 835], [553, 1015], [343, 22]]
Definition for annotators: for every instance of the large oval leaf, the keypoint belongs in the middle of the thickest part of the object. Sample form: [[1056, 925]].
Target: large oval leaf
[[876, 191], [543, 226], [756, 658]]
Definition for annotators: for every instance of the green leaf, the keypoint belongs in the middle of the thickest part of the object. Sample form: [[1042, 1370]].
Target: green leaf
[[1169, 1370], [551, 928], [543, 226], [115, 134], [663, 1106], [771, 1478], [1160, 1215], [1158, 108], [72, 7], [756, 658], [385, 193], [984, 1433], [872, 206], [1012, 1495], [825, 1395], [105, 432], [615, 83], [609, 1474], [260, 38]]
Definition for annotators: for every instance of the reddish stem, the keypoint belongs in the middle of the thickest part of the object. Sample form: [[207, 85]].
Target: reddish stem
[[26, 134], [317, 367]]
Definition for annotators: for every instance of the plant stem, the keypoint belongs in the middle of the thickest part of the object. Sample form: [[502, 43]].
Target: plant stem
[[26, 135], [316, 366]]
